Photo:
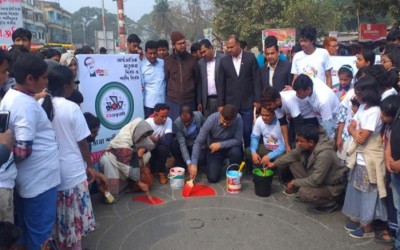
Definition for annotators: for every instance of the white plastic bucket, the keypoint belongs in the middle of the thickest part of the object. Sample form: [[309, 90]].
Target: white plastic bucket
[[176, 177], [233, 184]]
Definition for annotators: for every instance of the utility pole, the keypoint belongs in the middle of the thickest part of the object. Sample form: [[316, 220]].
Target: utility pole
[[121, 25], [104, 23]]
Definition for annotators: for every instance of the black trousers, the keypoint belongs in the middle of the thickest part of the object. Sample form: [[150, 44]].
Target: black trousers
[[215, 161]]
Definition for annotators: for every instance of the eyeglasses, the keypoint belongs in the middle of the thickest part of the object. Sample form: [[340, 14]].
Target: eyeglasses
[[181, 43]]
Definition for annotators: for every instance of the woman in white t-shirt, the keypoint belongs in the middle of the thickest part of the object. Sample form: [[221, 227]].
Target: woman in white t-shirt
[[366, 187], [74, 208]]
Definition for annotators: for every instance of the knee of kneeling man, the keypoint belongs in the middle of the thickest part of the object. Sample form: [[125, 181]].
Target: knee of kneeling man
[[212, 179]]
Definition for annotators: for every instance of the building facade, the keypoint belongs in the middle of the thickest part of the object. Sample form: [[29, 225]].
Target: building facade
[[33, 19], [48, 22]]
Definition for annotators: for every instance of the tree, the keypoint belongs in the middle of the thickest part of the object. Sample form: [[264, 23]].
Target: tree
[[90, 18], [320, 14], [161, 18], [246, 18]]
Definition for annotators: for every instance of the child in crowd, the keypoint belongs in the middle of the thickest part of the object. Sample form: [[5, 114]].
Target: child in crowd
[[366, 188], [389, 108], [342, 142], [8, 171], [345, 74], [267, 128], [74, 208], [35, 152], [365, 58]]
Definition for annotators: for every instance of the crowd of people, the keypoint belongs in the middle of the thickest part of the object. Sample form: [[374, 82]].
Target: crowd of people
[[330, 144]]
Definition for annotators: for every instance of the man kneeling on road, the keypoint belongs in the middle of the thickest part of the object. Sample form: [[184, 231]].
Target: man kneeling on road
[[224, 133], [318, 172]]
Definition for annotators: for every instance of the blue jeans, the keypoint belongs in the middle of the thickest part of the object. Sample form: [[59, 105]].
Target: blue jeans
[[396, 200], [247, 117], [215, 161], [36, 217]]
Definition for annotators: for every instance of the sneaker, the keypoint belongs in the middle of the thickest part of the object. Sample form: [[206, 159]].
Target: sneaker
[[291, 193], [360, 234], [352, 226], [326, 209]]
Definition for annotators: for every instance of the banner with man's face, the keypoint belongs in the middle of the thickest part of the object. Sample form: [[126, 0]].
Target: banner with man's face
[[111, 87]]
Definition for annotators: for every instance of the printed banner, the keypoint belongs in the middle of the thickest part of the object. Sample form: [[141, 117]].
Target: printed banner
[[286, 37], [111, 88], [10, 20], [371, 32]]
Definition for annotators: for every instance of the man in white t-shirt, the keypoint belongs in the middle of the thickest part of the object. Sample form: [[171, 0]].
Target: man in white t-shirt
[[312, 61], [163, 138], [322, 99]]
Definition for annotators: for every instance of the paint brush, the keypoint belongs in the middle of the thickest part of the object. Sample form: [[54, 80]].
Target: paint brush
[[187, 188], [110, 198], [241, 166]]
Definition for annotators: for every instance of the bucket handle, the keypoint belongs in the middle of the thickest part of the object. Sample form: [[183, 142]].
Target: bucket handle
[[232, 165], [170, 176]]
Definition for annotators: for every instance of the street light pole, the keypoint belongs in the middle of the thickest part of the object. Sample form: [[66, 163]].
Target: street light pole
[[104, 23], [84, 30]]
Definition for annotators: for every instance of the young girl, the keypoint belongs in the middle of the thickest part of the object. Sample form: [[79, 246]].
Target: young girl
[[74, 208], [389, 108], [345, 74], [366, 187], [365, 58], [343, 141]]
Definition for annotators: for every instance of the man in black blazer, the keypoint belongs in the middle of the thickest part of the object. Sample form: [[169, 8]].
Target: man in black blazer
[[239, 83], [275, 72], [209, 66]]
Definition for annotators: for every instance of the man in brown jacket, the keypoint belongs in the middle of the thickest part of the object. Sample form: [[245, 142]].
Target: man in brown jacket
[[182, 74], [318, 173]]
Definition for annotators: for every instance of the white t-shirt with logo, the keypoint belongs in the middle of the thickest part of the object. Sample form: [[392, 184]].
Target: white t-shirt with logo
[[41, 170], [70, 127], [323, 101], [160, 130], [368, 119], [271, 133], [290, 105], [313, 65]]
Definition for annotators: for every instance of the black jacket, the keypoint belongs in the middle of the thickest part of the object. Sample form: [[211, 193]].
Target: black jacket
[[243, 90]]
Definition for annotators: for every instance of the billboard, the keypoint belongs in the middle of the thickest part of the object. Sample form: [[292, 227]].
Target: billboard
[[286, 37]]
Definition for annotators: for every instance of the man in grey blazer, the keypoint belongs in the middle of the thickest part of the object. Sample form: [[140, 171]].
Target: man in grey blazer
[[207, 89], [275, 72], [186, 129], [239, 83]]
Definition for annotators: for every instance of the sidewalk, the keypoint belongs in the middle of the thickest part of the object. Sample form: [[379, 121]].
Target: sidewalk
[[227, 221]]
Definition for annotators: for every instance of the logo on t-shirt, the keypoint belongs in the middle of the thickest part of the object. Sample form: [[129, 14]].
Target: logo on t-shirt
[[271, 142], [114, 105]]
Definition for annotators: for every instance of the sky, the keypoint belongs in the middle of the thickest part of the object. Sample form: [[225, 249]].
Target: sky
[[134, 9]]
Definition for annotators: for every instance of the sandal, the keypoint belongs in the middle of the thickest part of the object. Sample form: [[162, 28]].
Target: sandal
[[381, 238]]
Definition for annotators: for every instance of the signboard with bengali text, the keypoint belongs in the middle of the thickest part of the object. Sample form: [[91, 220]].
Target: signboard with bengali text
[[10, 20], [112, 91]]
